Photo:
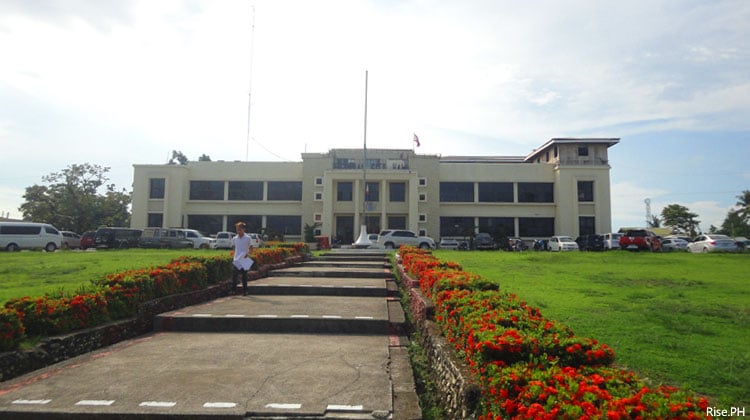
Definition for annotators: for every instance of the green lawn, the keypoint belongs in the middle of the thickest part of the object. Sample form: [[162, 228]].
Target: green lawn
[[34, 273], [679, 319]]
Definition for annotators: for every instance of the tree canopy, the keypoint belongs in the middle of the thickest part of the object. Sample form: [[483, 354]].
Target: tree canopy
[[680, 217], [77, 198]]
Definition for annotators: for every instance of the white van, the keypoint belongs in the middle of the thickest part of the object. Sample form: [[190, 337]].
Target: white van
[[15, 236]]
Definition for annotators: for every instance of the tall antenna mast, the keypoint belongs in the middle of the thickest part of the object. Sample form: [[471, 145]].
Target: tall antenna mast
[[649, 218], [363, 241], [250, 84]]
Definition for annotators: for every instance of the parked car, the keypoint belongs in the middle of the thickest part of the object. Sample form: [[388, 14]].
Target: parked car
[[742, 243], [673, 244], [448, 243], [517, 244], [391, 239], [712, 243], [15, 236], [224, 240], [198, 239], [640, 239], [611, 241], [484, 241], [87, 239], [562, 243], [117, 237], [70, 240], [590, 242]]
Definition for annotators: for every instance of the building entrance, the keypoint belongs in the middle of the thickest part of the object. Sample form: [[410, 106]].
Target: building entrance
[[344, 229]]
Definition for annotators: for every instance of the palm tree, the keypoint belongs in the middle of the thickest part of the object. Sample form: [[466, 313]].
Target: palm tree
[[743, 201]]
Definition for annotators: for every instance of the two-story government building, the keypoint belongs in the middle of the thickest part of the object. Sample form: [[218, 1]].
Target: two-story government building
[[561, 188]]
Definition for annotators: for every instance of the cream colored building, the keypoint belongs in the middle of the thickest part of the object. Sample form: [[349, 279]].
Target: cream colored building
[[561, 188]]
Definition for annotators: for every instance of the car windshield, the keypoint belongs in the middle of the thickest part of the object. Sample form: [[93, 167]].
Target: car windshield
[[719, 237], [566, 239]]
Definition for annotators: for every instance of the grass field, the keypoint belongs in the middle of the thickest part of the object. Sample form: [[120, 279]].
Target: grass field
[[35, 273], [679, 319]]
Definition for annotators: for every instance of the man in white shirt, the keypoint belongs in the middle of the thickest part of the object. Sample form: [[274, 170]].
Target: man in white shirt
[[242, 261]]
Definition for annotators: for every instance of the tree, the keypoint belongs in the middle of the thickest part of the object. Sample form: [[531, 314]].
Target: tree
[[181, 158], [655, 222], [743, 202], [735, 225], [680, 217], [72, 200], [204, 158]]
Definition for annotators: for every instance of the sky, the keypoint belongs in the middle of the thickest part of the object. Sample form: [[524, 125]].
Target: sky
[[122, 82]]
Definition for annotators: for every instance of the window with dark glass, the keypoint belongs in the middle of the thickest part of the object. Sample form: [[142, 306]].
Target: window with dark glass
[[585, 190], [586, 225], [156, 188], [583, 150], [285, 225], [206, 190], [246, 190], [536, 192], [457, 192], [372, 192], [344, 191], [497, 227], [209, 224], [495, 192], [155, 220], [253, 223], [284, 191], [397, 193], [396, 222], [457, 226], [539, 227]]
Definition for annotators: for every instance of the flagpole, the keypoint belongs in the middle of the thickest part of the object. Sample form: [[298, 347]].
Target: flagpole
[[363, 241]]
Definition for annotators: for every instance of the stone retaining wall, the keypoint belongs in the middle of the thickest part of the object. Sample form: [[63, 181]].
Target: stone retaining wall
[[459, 395], [58, 348]]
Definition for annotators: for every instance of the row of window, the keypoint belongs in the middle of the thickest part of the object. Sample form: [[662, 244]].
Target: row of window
[[450, 192], [539, 227], [236, 190], [275, 224]]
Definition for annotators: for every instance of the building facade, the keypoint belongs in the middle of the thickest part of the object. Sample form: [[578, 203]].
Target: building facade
[[561, 188]]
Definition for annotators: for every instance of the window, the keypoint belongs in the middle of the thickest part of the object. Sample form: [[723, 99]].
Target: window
[[284, 225], [372, 192], [396, 222], [206, 190], [343, 191], [586, 191], [422, 232], [497, 227], [284, 191], [536, 192], [422, 217], [156, 189], [536, 226], [155, 220], [456, 192], [318, 217], [457, 226], [253, 223], [397, 193], [422, 182], [205, 223], [586, 225], [583, 150], [422, 197], [246, 190], [318, 180], [495, 192], [318, 196]]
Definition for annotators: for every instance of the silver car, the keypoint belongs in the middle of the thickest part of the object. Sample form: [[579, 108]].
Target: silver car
[[673, 244], [712, 243], [392, 239]]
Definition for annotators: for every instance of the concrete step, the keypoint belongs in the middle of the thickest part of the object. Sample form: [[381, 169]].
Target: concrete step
[[320, 286], [307, 271], [289, 314], [349, 257], [347, 263]]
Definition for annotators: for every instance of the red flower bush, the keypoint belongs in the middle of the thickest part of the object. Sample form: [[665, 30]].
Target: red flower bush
[[531, 367], [11, 328]]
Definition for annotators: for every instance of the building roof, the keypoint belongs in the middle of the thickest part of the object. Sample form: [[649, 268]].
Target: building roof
[[571, 140]]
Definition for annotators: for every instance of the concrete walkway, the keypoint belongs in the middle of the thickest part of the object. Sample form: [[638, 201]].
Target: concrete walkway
[[307, 343]]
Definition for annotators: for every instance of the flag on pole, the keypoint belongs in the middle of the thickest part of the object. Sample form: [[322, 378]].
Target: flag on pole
[[416, 139]]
